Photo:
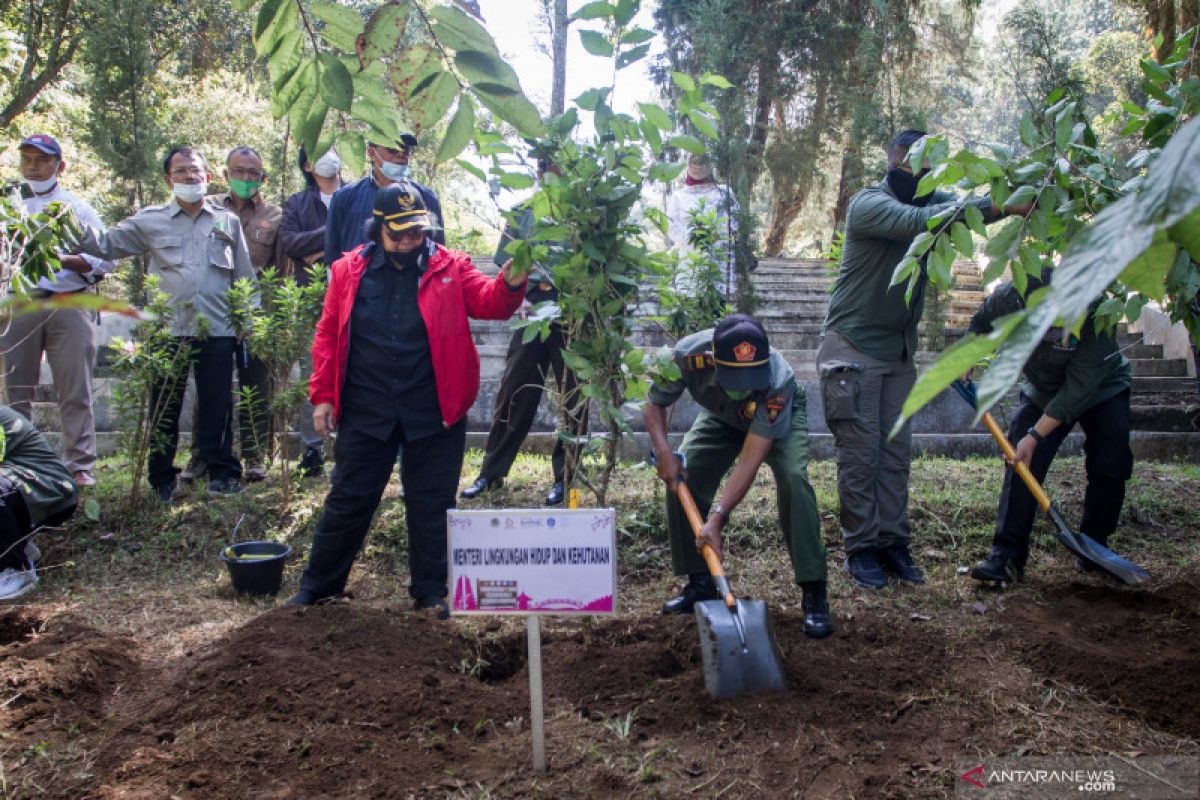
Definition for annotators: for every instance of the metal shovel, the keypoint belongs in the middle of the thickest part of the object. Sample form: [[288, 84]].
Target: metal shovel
[[737, 645], [1080, 544]]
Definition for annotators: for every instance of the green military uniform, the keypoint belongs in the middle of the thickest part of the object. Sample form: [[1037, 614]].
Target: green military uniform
[[866, 362], [715, 439]]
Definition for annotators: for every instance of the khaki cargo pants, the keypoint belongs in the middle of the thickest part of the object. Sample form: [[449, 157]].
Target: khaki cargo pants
[[863, 397]]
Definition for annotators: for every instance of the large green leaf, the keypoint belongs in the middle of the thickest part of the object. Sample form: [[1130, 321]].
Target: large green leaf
[[600, 9], [352, 149], [414, 70], [961, 235], [385, 29], [1004, 243], [313, 125], [427, 106], [285, 59], [459, 31], [381, 119], [372, 90], [665, 172], [1147, 274], [704, 123], [283, 23], [266, 15], [656, 116], [689, 143], [243, 5], [513, 108], [342, 24], [1186, 233], [596, 43], [632, 56], [479, 66], [459, 132], [337, 87], [303, 80], [1171, 190]]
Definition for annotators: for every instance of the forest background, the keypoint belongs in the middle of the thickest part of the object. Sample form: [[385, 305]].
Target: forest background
[[818, 88]]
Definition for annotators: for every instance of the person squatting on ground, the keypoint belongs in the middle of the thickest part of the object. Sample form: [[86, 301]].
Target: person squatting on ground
[[1068, 379], [302, 233], [35, 490], [752, 411], [526, 367], [394, 365], [865, 362], [66, 335], [197, 250], [260, 220]]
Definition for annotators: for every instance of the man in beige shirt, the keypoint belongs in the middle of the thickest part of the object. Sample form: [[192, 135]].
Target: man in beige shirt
[[197, 249]]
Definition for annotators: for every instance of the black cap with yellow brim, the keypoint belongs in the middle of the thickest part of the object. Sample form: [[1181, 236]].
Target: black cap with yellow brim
[[400, 207]]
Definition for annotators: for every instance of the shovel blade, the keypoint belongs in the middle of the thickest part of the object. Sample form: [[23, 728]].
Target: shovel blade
[[729, 668], [1097, 554]]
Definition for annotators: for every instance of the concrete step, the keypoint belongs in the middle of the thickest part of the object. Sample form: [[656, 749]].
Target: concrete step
[[1146, 385], [1159, 367], [1142, 350]]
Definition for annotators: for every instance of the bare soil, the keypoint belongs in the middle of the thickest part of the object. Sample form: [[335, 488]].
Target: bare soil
[[358, 700]]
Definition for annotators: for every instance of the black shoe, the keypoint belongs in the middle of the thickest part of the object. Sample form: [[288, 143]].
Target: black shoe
[[998, 567], [699, 587], [166, 492], [302, 598], [224, 487], [895, 560], [817, 622], [433, 601], [864, 570], [312, 465], [557, 493], [480, 486]]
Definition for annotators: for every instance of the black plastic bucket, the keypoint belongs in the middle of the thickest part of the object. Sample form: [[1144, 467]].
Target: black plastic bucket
[[262, 572]]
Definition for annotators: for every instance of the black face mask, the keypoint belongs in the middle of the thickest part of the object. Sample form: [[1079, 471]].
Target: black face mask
[[405, 260], [904, 185]]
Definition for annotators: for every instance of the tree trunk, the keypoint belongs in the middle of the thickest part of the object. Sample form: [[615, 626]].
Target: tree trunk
[[558, 92], [41, 69]]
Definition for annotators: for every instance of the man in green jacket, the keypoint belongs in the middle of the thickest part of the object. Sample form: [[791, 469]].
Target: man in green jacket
[[1068, 379], [866, 364]]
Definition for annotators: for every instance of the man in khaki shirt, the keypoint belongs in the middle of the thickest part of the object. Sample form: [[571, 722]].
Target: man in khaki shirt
[[260, 220], [197, 249]]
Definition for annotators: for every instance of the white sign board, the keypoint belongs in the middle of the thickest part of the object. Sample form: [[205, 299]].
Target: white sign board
[[533, 561]]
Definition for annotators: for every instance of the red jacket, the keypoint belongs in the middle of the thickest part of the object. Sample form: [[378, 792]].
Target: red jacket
[[451, 290]]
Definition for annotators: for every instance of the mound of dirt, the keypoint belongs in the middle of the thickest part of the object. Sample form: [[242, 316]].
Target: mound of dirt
[[56, 674], [1135, 648], [351, 701]]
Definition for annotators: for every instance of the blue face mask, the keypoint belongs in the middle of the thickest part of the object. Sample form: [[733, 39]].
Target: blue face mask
[[395, 172]]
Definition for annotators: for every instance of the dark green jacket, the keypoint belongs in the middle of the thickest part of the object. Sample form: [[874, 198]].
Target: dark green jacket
[[872, 315], [29, 462], [1063, 379]]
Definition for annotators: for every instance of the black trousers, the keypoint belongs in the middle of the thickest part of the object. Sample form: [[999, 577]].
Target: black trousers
[[14, 526], [526, 367], [211, 361], [1108, 462], [429, 474]]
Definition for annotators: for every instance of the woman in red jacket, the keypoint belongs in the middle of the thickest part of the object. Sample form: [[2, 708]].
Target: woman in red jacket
[[394, 365]]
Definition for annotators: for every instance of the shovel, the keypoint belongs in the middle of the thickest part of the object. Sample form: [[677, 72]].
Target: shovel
[[1082, 545], [737, 646]]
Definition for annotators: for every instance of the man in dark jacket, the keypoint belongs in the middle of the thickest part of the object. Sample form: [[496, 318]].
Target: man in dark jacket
[[1068, 379], [35, 490], [303, 236], [866, 364], [352, 206]]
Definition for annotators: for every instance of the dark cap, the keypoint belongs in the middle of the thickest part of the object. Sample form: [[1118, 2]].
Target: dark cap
[[404, 141], [399, 206], [742, 353], [44, 143]]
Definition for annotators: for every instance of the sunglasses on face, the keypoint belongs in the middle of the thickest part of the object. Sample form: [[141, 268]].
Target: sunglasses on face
[[406, 235]]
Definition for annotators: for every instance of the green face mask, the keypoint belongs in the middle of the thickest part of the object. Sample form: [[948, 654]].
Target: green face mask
[[738, 395], [244, 189]]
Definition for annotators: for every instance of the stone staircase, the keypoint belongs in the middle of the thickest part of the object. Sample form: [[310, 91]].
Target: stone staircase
[[793, 296]]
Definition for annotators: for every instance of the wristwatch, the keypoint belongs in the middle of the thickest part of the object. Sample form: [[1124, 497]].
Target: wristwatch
[[1037, 437], [720, 511]]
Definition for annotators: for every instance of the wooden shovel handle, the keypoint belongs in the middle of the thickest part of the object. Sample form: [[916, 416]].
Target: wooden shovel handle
[[693, 514], [1039, 494]]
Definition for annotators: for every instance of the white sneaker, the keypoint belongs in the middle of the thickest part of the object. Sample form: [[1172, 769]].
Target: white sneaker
[[16, 582]]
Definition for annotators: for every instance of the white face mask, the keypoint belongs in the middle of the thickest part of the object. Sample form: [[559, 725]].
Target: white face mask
[[190, 192], [395, 172], [328, 165], [41, 187]]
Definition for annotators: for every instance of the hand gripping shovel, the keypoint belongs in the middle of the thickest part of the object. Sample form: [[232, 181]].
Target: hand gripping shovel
[[1080, 544], [736, 644]]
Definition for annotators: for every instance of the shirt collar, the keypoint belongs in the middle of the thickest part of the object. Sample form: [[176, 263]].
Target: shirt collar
[[173, 207]]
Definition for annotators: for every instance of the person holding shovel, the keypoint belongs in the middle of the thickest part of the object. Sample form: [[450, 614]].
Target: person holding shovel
[[1068, 379], [752, 411], [394, 365]]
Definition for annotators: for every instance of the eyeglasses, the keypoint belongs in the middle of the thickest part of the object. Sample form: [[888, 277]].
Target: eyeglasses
[[186, 172], [246, 174]]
